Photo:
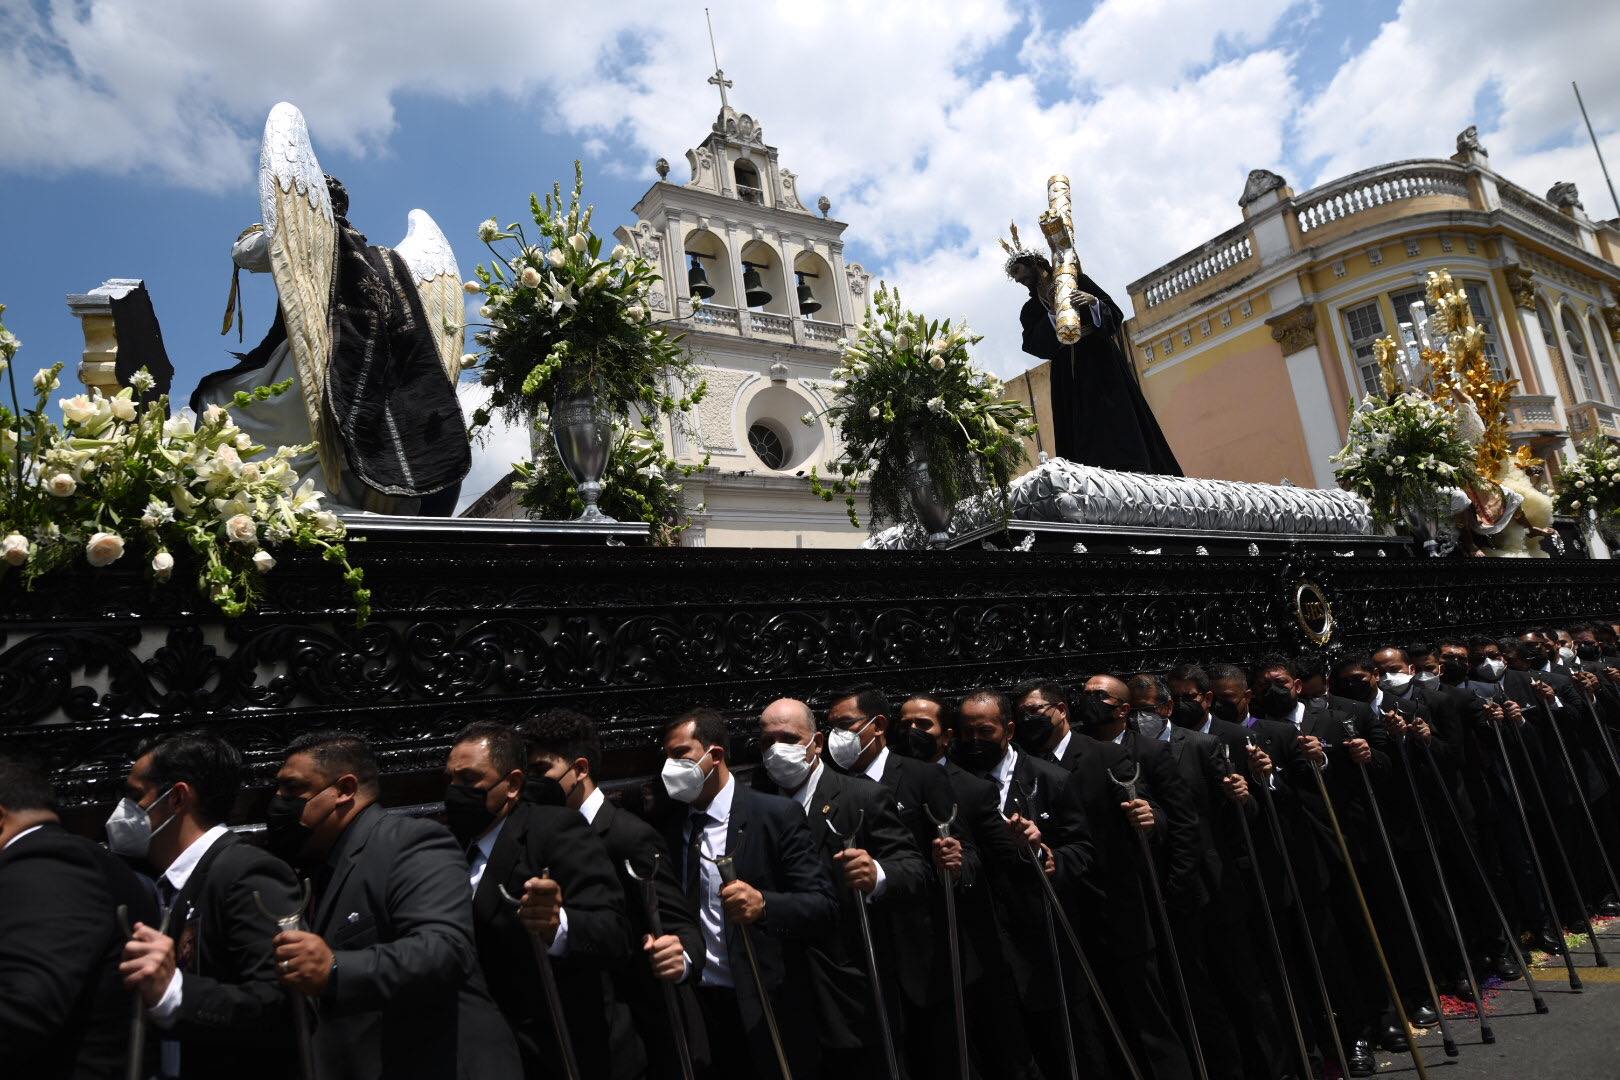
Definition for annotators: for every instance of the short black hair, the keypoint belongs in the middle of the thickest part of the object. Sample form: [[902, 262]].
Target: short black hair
[[1227, 673], [1196, 675], [564, 733], [1050, 689], [709, 727], [1271, 662], [1353, 662], [24, 784], [1308, 666], [1478, 643], [1460, 640], [210, 765], [1148, 680], [337, 753], [868, 698], [947, 708], [505, 744], [987, 693]]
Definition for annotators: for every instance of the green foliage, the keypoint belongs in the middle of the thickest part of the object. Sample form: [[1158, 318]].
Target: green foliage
[[905, 380], [1591, 483], [642, 483], [1401, 456], [117, 475]]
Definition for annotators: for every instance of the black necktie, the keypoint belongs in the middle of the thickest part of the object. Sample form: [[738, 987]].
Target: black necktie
[[694, 856], [166, 892]]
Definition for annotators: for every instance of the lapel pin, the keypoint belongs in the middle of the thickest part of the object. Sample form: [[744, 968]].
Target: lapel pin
[[826, 808], [354, 916]]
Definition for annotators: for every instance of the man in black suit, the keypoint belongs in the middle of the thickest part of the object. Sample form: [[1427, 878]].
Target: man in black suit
[[209, 983], [571, 901], [389, 958], [884, 870], [781, 895], [64, 1012], [565, 757]]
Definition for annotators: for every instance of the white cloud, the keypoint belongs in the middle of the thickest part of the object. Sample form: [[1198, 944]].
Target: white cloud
[[1158, 42], [493, 453]]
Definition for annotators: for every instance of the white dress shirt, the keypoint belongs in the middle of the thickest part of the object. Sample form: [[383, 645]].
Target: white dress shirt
[[475, 873], [874, 768], [1063, 744], [712, 918], [593, 802], [162, 1014], [25, 832], [1002, 774], [805, 797]]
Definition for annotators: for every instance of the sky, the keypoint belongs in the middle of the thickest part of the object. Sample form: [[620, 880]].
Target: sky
[[130, 128]]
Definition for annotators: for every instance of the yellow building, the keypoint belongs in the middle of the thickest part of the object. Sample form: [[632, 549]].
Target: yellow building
[[1253, 347]]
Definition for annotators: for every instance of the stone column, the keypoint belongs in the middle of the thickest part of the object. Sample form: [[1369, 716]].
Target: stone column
[[1549, 369], [97, 371], [1295, 332]]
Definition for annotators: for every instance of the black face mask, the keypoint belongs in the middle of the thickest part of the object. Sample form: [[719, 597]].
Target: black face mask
[[466, 812], [1275, 702], [914, 742], [543, 790], [1453, 670], [1033, 730], [1094, 711], [1187, 712], [1356, 690], [1587, 650], [978, 755], [285, 833], [1222, 709]]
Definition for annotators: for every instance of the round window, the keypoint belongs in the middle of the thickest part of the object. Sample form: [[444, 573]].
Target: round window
[[767, 445]]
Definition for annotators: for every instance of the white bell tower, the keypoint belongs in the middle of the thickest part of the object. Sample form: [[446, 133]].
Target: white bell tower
[[777, 297]]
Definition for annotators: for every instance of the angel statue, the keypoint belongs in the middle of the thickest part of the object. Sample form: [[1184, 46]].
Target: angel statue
[[371, 338]]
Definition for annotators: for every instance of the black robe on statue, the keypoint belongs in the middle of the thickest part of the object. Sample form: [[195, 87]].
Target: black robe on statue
[[1099, 416]]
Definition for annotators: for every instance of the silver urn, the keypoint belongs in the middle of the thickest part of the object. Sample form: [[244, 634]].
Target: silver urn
[[582, 429], [933, 512]]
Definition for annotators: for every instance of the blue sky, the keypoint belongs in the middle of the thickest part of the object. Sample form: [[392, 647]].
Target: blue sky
[[129, 143]]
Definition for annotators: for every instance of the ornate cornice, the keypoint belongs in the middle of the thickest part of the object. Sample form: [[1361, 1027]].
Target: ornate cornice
[[1294, 330], [1611, 319], [1521, 283]]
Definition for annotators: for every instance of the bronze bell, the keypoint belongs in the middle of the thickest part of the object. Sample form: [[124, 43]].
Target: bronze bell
[[808, 304], [697, 281], [753, 289]]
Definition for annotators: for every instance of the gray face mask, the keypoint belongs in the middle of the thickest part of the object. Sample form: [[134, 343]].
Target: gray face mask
[[129, 829]]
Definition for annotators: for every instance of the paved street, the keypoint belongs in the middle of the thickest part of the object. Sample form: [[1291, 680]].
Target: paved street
[[1578, 1039]]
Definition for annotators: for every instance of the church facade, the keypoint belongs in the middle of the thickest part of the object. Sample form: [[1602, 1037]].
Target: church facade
[[1253, 347]]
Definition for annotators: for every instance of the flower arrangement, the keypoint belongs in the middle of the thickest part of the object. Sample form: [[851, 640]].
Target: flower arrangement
[[1402, 454], [642, 483], [120, 475], [1589, 486], [560, 320], [906, 387]]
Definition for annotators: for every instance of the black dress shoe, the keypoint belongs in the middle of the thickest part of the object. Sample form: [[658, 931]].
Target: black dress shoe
[[1504, 967], [1393, 1039], [1548, 942], [1361, 1061], [1609, 908], [1424, 1015]]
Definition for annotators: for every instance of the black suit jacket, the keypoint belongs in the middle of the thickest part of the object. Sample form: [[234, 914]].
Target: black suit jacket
[[234, 1016], [979, 824], [63, 1008], [406, 999], [640, 1034], [771, 848], [1197, 760], [1181, 850], [1035, 791]]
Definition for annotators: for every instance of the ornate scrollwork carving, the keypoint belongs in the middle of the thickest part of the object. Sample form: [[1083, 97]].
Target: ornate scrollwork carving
[[1294, 330]]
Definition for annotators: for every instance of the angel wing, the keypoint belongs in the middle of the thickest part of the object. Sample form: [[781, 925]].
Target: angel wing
[[297, 214], [432, 263]]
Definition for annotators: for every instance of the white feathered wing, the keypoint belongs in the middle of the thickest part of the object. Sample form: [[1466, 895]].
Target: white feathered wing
[[432, 262]]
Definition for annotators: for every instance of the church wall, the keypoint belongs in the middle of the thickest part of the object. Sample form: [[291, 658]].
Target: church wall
[[1034, 387]]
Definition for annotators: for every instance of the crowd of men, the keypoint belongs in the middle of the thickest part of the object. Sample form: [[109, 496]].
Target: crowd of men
[[1213, 871]]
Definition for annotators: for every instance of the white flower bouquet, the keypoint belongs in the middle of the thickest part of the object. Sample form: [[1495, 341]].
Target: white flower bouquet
[[120, 475], [907, 382], [1589, 486], [1401, 456]]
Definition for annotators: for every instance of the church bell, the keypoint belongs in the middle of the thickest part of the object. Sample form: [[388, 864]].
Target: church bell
[[697, 281], [808, 304], [753, 289]]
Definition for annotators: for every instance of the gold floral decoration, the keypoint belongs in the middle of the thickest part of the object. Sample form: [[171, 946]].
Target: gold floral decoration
[[1464, 370]]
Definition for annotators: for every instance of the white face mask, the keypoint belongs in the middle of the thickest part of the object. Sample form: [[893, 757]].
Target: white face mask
[[787, 764], [129, 829], [1494, 666], [845, 746], [1394, 682], [1566, 655], [684, 779], [1427, 677]]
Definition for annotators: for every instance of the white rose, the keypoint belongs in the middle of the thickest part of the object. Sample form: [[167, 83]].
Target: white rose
[[61, 485], [14, 549], [162, 565], [78, 409], [902, 343], [635, 312], [327, 521], [244, 442], [469, 360], [472, 288], [874, 412], [250, 473], [239, 528], [488, 229], [530, 277], [556, 257], [1576, 505], [263, 562], [578, 242], [213, 415], [936, 406], [486, 312], [104, 549], [620, 253], [937, 363], [123, 408]]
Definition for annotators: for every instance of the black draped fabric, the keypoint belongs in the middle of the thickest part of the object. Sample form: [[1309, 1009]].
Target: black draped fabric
[[1099, 416], [252, 360], [386, 391]]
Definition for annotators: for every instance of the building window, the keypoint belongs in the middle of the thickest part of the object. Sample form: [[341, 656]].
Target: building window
[[748, 185], [1478, 302], [1604, 355], [767, 445], [1578, 356], [1364, 326]]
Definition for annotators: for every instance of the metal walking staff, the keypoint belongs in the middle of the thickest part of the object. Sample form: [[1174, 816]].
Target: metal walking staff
[[1129, 787], [548, 984], [949, 887], [1035, 862], [1580, 797], [1271, 922], [137, 1014], [865, 921], [728, 874], [677, 1026], [294, 920]]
